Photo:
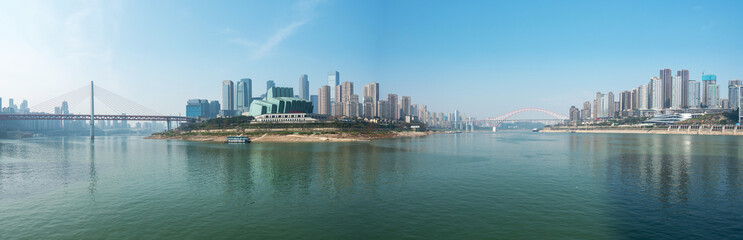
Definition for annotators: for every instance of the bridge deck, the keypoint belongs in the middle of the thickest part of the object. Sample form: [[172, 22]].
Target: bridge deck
[[87, 117]]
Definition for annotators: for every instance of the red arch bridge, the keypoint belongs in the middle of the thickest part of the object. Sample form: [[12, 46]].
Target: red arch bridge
[[130, 111], [508, 117]]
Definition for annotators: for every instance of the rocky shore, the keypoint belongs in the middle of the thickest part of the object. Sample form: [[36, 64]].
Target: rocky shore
[[295, 137]]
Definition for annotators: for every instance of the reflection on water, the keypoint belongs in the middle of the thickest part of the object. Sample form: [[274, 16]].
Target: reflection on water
[[688, 184], [480, 186]]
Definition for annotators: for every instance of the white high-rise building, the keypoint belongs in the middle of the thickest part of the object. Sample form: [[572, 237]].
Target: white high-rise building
[[656, 93], [304, 87], [642, 97], [733, 86], [676, 92], [228, 99], [694, 96], [710, 92]]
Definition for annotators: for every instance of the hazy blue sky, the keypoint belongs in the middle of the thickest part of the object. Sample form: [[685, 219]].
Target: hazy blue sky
[[481, 57]]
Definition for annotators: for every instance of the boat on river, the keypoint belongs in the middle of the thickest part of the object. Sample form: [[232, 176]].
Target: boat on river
[[237, 139]]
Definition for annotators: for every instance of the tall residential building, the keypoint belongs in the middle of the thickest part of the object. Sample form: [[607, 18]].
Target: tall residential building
[[642, 97], [336, 102], [574, 115], [351, 107], [346, 91], [404, 106], [694, 94], [613, 105], [228, 99], [585, 113], [393, 107], [270, 84], [676, 92], [710, 91], [667, 79], [733, 86], [371, 96], [315, 101], [334, 79], [304, 87], [244, 94], [323, 97], [383, 108], [684, 74], [603, 106], [635, 99], [625, 100], [656, 93]]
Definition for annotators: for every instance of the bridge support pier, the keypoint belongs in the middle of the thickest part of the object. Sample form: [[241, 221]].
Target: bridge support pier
[[92, 115], [168, 124]]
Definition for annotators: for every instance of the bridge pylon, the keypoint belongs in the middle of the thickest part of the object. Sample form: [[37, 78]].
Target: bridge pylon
[[92, 115]]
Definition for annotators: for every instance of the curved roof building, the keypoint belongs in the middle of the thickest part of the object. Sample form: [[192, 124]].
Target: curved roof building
[[280, 100]]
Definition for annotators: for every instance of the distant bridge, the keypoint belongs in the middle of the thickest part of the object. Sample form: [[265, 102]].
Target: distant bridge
[[131, 111], [87, 117], [496, 121]]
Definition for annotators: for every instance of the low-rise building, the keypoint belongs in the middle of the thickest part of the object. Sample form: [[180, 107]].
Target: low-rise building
[[280, 100]]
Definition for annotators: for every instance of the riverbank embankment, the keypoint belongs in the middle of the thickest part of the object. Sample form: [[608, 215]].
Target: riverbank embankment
[[220, 135], [669, 129]]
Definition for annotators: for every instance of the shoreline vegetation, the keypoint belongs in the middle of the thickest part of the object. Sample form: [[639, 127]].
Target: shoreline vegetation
[[730, 130], [216, 130]]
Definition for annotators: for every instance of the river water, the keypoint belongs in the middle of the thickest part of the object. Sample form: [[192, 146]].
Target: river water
[[517, 185]]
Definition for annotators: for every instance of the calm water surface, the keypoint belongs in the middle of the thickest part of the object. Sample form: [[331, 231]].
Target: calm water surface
[[515, 185]]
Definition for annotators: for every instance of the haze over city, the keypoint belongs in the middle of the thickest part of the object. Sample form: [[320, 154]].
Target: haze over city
[[483, 58]]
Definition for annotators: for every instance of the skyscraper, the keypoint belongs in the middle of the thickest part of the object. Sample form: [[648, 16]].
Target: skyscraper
[[270, 84], [694, 96], [710, 91], [642, 97], [666, 78], [676, 92], [656, 93], [304, 87], [684, 74], [371, 96], [585, 113], [323, 97], [574, 115], [612, 105], [228, 89], [405, 106], [315, 103], [334, 79], [348, 107], [733, 86], [393, 107], [244, 94]]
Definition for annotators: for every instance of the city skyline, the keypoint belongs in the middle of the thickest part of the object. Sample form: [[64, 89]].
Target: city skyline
[[561, 58]]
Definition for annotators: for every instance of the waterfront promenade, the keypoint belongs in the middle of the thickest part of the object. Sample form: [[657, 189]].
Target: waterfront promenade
[[659, 129]]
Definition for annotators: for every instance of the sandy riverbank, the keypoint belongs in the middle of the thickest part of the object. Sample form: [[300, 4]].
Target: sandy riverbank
[[650, 131], [318, 137]]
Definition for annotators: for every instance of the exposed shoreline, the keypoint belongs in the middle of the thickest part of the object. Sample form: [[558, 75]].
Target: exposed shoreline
[[671, 130], [316, 137]]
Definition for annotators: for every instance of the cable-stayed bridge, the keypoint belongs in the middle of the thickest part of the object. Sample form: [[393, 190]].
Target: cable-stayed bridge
[[127, 109]]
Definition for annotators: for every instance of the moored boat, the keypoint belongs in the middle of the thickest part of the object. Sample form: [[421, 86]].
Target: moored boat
[[238, 139]]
